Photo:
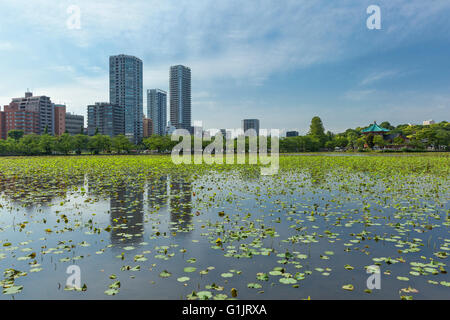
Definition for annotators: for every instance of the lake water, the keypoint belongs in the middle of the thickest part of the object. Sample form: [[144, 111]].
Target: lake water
[[174, 234]]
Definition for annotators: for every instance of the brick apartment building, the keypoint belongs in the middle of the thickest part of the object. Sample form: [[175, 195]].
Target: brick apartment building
[[15, 118], [60, 119], [40, 104]]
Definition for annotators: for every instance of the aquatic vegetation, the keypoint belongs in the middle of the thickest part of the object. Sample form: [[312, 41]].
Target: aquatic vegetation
[[315, 230]]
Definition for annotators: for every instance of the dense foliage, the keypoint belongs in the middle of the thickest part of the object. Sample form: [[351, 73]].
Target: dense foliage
[[416, 137], [419, 137]]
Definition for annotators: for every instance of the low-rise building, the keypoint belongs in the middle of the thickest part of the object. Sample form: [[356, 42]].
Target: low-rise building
[[292, 134], [428, 122], [148, 127], [74, 123]]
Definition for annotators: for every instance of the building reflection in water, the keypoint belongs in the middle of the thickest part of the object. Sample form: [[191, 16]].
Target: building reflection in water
[[127, 215], [180, 202], [157, 193], [29, 192]]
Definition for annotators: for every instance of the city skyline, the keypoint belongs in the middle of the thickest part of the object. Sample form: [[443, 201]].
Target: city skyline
[[265, 62]]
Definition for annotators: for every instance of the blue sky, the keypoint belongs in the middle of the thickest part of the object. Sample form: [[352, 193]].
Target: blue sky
[[280, 61]]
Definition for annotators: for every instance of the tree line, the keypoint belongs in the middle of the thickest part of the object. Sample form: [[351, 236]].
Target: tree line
[[32, 144], [418, 137]]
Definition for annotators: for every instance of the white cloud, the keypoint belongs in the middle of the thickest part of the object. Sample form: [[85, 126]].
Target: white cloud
[[78, 94], [377, 76], [6, 46], [62, 69], [244, 41], [222, 38]]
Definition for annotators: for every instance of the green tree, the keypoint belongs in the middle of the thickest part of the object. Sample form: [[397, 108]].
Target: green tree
[[317, 131], [99, 143], [352, 137], [153, 143], [16, 134], [47, 143], [369, 140], [379, 141], [398, 141], [160, 143], [360, 142], [3, 147], [341, 141], [80, 143], [29, 145], [65, 143], [330, 145], [387, 125], [121, 143], [443, 138]]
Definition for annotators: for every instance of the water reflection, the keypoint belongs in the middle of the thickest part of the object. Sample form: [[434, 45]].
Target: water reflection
[[157, 192], [29, 192], [127, 215], [180, 204], [128, 202]]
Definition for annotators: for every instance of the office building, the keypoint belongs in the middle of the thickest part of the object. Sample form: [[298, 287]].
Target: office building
[[180, 97], [74, 123], [126, 91], [157, 110], [108, 118], [40, 104], [250, 124]]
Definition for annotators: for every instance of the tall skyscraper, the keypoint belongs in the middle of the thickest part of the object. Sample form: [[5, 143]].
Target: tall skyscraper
[[126, 91], [108, 118], [42, 105], [250, 124], [157, 110], [180, 97]]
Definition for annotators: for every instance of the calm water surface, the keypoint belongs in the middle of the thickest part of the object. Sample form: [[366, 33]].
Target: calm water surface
[[309, 225]]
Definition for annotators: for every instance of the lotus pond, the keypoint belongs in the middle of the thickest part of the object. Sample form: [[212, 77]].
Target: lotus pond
[[139, 227]]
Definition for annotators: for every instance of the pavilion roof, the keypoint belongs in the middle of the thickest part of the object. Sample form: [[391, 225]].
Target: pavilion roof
[[374, 128]]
